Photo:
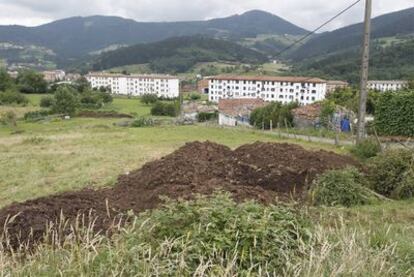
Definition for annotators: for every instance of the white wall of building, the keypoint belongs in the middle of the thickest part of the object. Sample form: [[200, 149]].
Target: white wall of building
[[136, 85], [305, 93], [384, 86]]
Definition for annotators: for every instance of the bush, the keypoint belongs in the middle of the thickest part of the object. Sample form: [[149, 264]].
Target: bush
[[195, 96], [406, 189], [47, 101], [394, 114], [203, 117], [367, 149], [276, 112], [388, 170], [143, 122], [165, 109], [149, 98], [9, 119], [66, 101], [341, 187], [13, 97], [36, 115], [327, 111], [217, 229]]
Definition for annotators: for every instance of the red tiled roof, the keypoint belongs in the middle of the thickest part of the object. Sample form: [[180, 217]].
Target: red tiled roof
[[239, 107], [268, 78]]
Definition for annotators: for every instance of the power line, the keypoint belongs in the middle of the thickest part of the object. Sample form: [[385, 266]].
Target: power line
[[320, 27]]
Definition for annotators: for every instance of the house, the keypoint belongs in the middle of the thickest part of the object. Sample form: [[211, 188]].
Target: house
[[136, 85], [333, 85], [234, 112], [191, 109], [303, 90], [387, 85], [202, 86], [54, 75]]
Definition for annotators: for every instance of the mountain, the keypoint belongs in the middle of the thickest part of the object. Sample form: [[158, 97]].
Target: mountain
[[337, 54], [389, 60], [177, 55], [78, 36], [389, 25]]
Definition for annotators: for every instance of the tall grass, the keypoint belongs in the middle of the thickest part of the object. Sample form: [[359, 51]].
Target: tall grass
[[217, 237]]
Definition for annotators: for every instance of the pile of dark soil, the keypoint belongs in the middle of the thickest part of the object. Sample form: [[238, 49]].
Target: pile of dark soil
[[261, 171], [103, 114]]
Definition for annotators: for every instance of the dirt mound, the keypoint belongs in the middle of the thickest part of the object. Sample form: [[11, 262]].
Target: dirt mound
[[260, 171], [103, 114]]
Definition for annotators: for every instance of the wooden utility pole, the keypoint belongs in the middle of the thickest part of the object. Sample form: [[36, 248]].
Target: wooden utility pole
[[363, 95]]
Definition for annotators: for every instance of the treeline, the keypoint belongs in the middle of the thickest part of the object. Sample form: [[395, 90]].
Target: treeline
[[178, 55]]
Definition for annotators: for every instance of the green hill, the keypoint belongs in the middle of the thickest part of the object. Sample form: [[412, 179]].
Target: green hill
[[391, 58], [79, 36], [177, 55], [389, 25]]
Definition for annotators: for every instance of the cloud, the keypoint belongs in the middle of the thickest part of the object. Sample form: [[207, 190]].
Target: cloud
[[305, 13]]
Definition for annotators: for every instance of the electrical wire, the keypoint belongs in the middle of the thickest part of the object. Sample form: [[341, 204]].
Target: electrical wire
[[320, 27]]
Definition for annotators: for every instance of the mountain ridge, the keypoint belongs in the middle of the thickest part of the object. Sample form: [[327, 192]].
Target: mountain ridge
[[75, 37]]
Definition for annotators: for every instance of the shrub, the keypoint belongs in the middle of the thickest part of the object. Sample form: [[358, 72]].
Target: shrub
[[143, 122], [394, 114], [106, 97], [386, 172], [8, 118], [36, 115], [66, 101], [12, 97], [203, 117], [47, 101], [149, 98], [90, 101], [276, 112], [366, 149], [218, 229], [406, 189], [195, 96], [327, 111], [341, 187], [165, 109]]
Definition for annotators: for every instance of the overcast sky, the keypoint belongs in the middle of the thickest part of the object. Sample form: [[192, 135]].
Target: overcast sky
[[305, 13]]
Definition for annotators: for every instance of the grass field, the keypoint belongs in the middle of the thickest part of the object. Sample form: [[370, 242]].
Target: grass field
[[55, 156], [63, 155]]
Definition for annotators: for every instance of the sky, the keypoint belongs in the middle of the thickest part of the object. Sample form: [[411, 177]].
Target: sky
[[308, 14]]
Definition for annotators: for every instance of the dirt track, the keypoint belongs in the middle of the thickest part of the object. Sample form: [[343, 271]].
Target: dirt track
[[261, 171]]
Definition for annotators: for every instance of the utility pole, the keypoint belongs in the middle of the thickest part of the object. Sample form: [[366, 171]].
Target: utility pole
[[363, 95]]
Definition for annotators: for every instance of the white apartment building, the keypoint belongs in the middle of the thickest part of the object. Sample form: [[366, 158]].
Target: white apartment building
[[282, 89], [386, 85], [136, 85]]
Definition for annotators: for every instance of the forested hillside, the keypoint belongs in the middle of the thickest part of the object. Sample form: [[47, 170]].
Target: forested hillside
[[79, 36], [389, 25], [394, 61], [177, 55]]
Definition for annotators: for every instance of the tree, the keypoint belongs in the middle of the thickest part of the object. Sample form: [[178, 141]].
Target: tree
[[66, 101], [30, 81], [276, 112], [82, 84], [6, 82]]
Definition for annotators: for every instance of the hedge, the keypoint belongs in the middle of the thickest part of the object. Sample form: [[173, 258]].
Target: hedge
[[395, 114]]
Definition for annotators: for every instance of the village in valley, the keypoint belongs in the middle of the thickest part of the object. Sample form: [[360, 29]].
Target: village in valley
[[236, 146]]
